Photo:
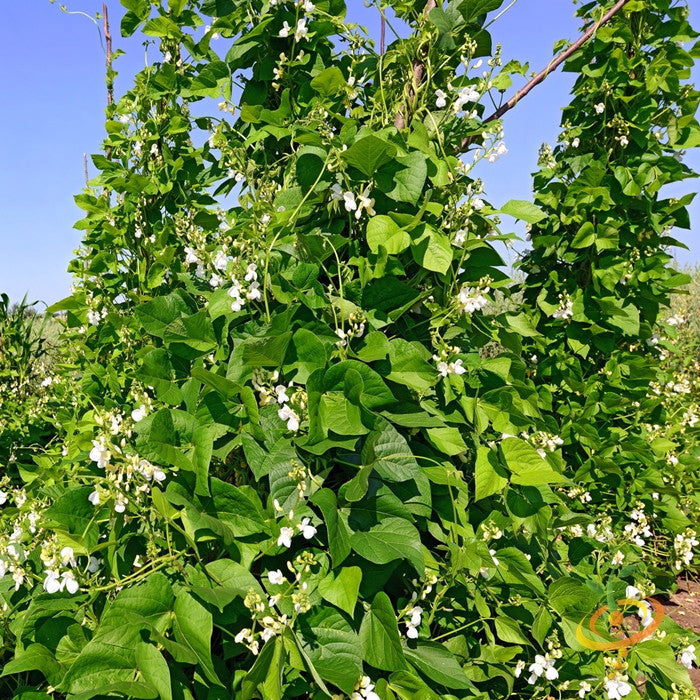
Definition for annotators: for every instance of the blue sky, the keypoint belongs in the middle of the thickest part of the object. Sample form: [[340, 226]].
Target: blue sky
[[52, 82]]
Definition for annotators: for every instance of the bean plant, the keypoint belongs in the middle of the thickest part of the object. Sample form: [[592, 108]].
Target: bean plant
[[302, 454]]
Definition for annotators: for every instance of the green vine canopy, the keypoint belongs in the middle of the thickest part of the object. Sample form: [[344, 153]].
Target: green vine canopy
[[311, 437]]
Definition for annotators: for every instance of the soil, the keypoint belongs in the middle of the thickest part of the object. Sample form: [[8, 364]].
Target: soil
[[684, 607]]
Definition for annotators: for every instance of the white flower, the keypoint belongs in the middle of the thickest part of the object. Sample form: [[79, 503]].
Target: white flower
[[687, 657], [216, 280], [519, 668], [276, 577], [645, 615], [94, 317], [301, 31], [67, 556], [68, 581], [94, 498], [565, 310], [120, 503], [467, 94], [139, 413], [251, 273], [585, 688], [633, 592], [472, 299], [254, 292], [543, 665], [492, 552], [52, 584], [100, 454], [285, 538], [478, 203], [287, 414], [416, 613], [624, 141], [441, 100], [94, 564], [460, 237], [599, 108], [501, 150], [618, 559], [306, 528], [349, 200], [365, 203], [284, 32], [575, 144], [220, 260], [308, 6], [244, 634], [3, 498], [411, 631], [617, 687], [281, 392]]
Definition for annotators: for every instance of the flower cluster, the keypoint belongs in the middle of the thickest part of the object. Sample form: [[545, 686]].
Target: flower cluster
[[292, 400], [543, 665], [126, 473], [471, 299], [447, 366], [356, 329], [566, 307], [247, 290], [55, 579], [639, 529], [352, 202], [683, 545], [364, 690], [615, 681], [543, 442]]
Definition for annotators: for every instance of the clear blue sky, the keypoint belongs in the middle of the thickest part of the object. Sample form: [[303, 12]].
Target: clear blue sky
[[52, 83]]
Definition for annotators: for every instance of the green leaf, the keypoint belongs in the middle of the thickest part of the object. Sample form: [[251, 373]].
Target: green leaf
[[336, 526], [310, 354], [438, 664], [266, 352], [409, 365], [108, 659], [431, 250], [329, 82], [332, 646], [388, 452], [154, 669], [448, 440], [192, 627], [342, 589], [368, 154], [35, 657], [523, 210], [73, 511], [392, 539], [384, 231], [157, 314], [379, 636], [472, 9], [508, 630], [265, 677], [408, 179], [489, 475], [528, 468]]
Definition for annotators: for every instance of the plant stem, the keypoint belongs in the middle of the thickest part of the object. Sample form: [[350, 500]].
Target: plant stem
[[553, 65]]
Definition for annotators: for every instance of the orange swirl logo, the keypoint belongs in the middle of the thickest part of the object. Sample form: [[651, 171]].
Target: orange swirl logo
[[616, 619]]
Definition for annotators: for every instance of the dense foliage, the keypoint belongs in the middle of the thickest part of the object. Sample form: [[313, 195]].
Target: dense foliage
[[299, 453]]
